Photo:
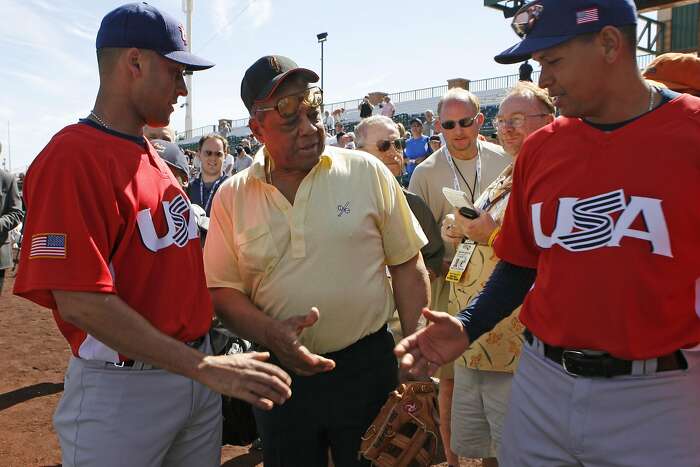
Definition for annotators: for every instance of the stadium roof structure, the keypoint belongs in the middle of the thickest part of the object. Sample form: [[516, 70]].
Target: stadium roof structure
[[509, 7]]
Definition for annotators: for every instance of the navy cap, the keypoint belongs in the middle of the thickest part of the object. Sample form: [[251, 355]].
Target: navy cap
[[554, 22], [266, 74], [143, 26], [171, 154]]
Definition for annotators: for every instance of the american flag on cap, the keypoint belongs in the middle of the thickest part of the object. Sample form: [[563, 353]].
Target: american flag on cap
[[588, 15], [48, 245]]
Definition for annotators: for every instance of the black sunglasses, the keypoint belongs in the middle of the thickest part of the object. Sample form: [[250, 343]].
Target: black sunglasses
[[525, 19], [384, 145], [464, 123]]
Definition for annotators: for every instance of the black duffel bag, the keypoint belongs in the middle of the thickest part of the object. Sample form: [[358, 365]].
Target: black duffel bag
[[239, 427]]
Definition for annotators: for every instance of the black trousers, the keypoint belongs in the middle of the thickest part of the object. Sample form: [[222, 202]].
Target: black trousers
[[332, 409]]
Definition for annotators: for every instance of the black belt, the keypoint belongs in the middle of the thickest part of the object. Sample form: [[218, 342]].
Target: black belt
[[602, 365], [130, 363]]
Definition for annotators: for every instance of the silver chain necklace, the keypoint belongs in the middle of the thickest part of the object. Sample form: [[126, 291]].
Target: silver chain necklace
[[99, 120]]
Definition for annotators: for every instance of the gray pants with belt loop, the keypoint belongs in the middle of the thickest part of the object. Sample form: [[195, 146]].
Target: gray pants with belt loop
[[644, 420], [110, 416]]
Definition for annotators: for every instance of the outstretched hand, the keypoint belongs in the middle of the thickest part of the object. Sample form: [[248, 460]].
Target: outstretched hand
[[248, 377], [440, 342], [283, 340]]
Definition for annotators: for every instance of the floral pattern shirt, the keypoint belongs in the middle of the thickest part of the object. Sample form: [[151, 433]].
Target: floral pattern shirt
[[499, 349]]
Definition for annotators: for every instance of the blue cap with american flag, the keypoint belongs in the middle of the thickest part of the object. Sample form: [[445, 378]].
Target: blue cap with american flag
[[546, 23], [49, 245]]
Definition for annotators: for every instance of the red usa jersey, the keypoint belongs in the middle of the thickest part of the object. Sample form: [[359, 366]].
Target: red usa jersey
[[104, 214], [611, 221]]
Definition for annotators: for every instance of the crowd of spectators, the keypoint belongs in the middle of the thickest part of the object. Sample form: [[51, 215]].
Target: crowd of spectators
[[442, 147]]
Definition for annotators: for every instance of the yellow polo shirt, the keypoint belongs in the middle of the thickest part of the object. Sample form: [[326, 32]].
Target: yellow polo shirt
[[329, 249]]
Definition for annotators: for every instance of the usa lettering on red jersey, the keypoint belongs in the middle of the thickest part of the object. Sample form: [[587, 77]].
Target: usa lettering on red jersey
[[587, 224]]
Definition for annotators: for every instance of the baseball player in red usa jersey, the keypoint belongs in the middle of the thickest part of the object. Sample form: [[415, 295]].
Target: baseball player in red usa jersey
[[113, 251], [599, 244]]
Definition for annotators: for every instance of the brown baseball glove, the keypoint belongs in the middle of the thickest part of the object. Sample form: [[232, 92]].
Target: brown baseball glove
[[405, 433]]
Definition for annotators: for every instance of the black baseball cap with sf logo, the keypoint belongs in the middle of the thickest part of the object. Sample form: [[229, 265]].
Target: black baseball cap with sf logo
[[266, 74]]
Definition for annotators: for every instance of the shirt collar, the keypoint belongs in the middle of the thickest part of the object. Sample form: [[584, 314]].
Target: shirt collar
[[257, 168]]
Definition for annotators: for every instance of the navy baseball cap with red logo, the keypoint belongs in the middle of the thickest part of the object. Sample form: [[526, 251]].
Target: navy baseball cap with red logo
[[143, 26], [546, 23]]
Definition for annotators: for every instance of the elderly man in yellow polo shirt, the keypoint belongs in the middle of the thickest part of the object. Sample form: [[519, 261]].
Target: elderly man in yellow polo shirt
[[296, 261]]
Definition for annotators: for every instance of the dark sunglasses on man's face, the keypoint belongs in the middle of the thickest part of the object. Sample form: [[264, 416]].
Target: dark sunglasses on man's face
[[384, 145], [464, 123], [288, 106]]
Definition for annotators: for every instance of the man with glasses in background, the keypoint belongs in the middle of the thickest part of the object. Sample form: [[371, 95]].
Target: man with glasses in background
[[603, 214], [296, 261], [483, 374], [213, 149], [379, 136], [467, 164]]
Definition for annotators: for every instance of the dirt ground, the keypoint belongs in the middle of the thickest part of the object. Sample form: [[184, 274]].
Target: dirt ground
[[34, 360]]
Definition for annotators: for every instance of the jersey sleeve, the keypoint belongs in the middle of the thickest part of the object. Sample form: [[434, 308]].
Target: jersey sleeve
[[71, 228], [515, 243], [220, 257], [402, 235]]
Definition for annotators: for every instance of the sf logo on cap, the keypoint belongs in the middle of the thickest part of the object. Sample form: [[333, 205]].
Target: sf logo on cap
[[182, 33], [274, 64]]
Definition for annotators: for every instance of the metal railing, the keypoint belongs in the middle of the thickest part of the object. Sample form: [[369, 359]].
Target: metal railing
[[195, 132], [239, 122], [479, 85], [651, 36], [643, 61]]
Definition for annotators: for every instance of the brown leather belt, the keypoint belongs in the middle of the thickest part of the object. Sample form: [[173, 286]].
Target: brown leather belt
[[602, 365]]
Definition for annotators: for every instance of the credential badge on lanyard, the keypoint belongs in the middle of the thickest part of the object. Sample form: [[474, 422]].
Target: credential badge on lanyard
[[459, 264]]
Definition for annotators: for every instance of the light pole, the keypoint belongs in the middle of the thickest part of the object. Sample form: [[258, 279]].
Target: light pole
[[322, 37], [188, 8]]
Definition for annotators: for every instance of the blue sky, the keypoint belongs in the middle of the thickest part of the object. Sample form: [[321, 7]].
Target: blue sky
[[49, 72]]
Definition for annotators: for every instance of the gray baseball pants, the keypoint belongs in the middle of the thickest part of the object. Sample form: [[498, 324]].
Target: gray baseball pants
[[557, 420], [110, 416]]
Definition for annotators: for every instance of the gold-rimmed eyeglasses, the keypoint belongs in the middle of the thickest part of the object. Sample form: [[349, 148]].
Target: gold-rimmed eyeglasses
[[288, 106]]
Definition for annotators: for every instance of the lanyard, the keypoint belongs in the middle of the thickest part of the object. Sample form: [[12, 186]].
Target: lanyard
[[477, 174], [211, 192]]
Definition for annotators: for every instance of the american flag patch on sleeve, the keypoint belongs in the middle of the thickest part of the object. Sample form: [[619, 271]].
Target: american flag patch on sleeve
[[587, 16], [48, 245]]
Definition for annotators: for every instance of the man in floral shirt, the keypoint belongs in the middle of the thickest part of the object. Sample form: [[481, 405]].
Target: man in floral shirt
[[483, 374]]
